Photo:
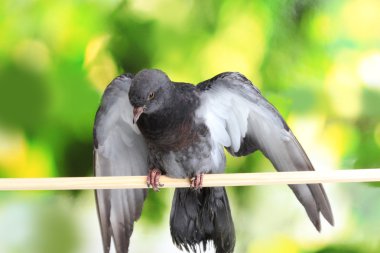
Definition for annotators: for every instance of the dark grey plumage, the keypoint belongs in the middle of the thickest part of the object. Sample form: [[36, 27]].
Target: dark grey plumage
[[198, 217], [182, 131]]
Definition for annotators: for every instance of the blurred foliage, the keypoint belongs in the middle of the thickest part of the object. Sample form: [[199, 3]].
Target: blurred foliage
[[38, 225], [342, 249], [318, 62]]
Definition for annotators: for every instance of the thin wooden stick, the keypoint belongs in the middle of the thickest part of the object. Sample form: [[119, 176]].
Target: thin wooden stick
[[210, 180]]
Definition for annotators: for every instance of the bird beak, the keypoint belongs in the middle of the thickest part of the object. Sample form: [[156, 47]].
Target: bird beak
[[137, 111]]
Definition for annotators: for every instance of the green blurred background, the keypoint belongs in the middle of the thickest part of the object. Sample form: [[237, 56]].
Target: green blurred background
[[318, 62]]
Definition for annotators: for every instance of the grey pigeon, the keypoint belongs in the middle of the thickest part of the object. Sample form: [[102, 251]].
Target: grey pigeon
[[148, 125]]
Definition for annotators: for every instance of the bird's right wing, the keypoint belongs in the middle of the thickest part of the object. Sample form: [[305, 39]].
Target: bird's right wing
[[119, 150]]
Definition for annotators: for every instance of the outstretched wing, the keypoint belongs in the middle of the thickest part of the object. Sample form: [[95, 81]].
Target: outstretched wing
[[243, 121], [119, 150]]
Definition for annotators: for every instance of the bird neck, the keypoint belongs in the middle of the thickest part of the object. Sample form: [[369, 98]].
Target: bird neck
[[172, 126]]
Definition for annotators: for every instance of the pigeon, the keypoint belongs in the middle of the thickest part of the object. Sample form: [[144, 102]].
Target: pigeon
[[151, 126]]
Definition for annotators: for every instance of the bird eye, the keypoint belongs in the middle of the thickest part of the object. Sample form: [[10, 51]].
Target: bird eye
[[151, 96]]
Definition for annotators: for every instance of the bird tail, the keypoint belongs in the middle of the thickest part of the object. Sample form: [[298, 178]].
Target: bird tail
[[200, 216]]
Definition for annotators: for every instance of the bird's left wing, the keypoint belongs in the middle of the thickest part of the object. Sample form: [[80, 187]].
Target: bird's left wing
[[243, 121], [119, 150]]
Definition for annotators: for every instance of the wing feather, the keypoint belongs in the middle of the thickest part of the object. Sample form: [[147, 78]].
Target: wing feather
[[242, 120], [119, 150]]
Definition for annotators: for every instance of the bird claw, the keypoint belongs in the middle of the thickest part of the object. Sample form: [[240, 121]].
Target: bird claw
[[196, 182], [153, 179]]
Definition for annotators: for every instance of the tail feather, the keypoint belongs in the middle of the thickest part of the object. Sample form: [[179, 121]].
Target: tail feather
[[198, 217]]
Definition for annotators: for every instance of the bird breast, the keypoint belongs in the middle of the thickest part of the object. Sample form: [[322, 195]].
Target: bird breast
[[190, 159]]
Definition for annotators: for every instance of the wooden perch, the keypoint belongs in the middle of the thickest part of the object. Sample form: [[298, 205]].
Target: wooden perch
[[209, 180]]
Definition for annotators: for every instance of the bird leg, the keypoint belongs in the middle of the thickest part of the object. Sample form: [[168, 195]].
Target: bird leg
[[153, 179], [196, 182]]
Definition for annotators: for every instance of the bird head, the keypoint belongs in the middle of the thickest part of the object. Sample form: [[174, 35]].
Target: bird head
[[149, 90]]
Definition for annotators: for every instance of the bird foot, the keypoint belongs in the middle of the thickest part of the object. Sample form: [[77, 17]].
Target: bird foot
[[153, 179], [196, 182]]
